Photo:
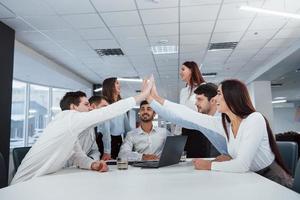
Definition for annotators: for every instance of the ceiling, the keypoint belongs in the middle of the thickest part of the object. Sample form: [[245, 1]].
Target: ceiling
[[68, 31]]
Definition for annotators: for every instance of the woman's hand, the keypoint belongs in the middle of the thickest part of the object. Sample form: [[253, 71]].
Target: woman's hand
[[146, 88], [222, 158], [201, 164]]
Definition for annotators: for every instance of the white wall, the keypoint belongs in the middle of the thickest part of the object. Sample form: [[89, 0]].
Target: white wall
[[32, 67], [284, 120]]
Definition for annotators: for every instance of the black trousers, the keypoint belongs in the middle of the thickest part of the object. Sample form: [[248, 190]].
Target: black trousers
[[197, 145], [116, 142], [99, 142]]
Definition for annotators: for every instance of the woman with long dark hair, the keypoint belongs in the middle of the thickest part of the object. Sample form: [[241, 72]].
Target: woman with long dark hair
[[197, 145], [250, 143], [118, 126]]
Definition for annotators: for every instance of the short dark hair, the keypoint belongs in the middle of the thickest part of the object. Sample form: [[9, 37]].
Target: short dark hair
[[96, 99], [207, 89], [143, 103], [71, 98]]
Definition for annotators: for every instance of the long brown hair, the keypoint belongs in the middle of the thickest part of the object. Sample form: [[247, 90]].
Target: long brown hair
[[196, 76], [109, 89], [237, 98]]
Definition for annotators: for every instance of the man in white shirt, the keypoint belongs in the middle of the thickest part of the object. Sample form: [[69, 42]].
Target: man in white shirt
[[59, 141], [145, 142]]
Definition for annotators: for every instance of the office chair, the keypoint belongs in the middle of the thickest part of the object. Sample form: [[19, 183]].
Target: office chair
[[296, 185], [289, 154], [3, 182], [18, 155]]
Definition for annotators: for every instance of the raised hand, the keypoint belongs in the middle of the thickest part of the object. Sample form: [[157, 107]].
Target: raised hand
[[146, 88]]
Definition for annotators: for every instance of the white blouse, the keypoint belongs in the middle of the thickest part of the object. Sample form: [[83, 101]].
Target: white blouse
[[188, 99]]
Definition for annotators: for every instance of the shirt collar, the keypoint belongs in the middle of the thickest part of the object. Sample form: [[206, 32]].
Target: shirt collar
[[141, 131]]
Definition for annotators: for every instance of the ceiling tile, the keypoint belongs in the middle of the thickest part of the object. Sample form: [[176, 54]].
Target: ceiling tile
[[124, 18], [232, 11], [262, 23], [142, 4], [164, 40], [114, 5], [95, 33], [251, 44], [238, 25], [193, 48], [160, 16], [30, 36], [195, 39], [161, 29], [226, 37], [17, 24], [5, 13], [260, 34], [128, 32], [70, 7], [198, 13], [196, 27], [48, 22], [103, 44], [134, 42], [84, 21], [199, 2], [288, 33], [59, 35], [28, 7]]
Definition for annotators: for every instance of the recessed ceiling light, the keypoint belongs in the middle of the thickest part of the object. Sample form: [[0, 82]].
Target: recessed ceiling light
[[271, 12], [279, 101], [128, 79], [156, 50], [98, 89], [279, 98]]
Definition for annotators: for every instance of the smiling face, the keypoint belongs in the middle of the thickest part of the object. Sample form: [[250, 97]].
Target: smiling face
[[185, 73], [146, 113], [221, 104], [117, 87]]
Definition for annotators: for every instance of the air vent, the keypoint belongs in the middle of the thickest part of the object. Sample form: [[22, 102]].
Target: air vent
[[276, 84], [209, 75], [138, 91], [110, 52], [222, 46]]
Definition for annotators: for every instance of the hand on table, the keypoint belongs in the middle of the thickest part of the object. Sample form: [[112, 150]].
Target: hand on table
[[201, 164], [100, 166]]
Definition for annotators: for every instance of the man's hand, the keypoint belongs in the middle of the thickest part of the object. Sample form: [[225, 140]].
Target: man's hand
[[150, 157], [222, 158], [100, 166], [201, 164], [106, 156]]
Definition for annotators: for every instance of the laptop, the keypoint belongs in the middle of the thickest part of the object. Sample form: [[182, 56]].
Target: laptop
[[170, 155]]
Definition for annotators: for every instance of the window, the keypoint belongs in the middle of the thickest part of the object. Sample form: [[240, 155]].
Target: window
[[17, 134], [38, 115], [57, 95]]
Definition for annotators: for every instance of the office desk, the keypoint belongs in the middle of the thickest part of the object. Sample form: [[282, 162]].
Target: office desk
[[180, 182]]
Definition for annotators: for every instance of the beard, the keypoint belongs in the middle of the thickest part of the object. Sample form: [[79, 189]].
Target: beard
[[146, 118]]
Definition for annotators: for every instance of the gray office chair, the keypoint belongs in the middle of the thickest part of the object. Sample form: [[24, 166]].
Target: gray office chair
[[296, 186], [18, 155], [289, 154], [3, 182]]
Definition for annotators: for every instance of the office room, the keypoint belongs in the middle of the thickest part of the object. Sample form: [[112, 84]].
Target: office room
[[149, 99]]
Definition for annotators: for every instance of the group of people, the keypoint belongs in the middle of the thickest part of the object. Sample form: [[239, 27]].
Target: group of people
[[219, 121]]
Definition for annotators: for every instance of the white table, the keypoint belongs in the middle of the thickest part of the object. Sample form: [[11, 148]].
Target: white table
[[180, 182]]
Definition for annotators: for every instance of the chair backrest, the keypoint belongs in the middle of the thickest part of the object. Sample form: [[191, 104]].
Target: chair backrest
[[296, 186], [289, 154], [18, 155], [3, 180]]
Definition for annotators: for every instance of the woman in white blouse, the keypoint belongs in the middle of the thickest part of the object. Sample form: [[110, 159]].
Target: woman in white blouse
[[119, 125], [250, 143], [197, 145]]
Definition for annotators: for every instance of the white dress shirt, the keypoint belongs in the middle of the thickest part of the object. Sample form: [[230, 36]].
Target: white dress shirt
[[85, 150], [250, 150], [56, 145], [137, 143]]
